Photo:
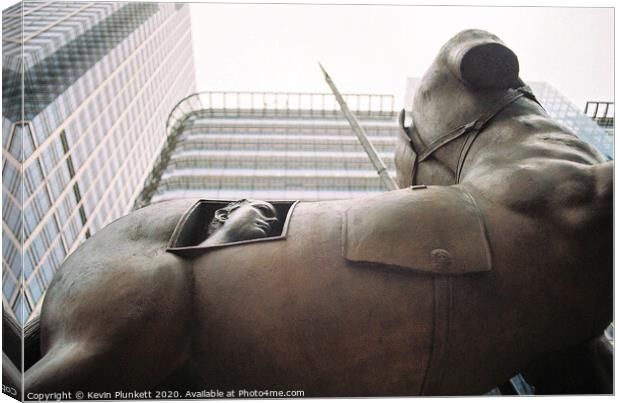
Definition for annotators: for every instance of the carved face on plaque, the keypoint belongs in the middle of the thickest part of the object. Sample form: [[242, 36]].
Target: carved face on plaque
[[241, 220]]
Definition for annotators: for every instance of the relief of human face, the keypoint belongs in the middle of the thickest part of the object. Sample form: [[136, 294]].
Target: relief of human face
[[251, 220]]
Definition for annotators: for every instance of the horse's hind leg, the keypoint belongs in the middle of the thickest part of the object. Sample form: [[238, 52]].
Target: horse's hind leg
[[111, 356], [63, 369], [87, 367]]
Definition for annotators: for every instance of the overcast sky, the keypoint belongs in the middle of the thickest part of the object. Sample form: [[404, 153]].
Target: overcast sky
[[373, 48]]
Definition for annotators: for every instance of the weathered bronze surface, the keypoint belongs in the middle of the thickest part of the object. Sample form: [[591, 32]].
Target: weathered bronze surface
[[502, 260]]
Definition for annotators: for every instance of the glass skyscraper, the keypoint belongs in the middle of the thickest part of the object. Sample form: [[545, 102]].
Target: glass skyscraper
[[561, 109], [273, 146], [603, 113], [87, 88]]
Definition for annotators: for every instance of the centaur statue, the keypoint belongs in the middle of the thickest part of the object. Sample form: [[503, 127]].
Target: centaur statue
[[494, 258]]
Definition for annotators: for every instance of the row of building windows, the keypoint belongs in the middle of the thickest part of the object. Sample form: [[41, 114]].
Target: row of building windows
[[268, 153], [282, 148], [275, 124], [339, 181], [296, 105], [296, 130], [284, 136], [268, 159], [284, 165], [281, 142], [265, 194]]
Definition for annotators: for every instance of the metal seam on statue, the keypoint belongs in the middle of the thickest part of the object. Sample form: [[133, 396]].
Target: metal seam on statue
[[441, 318], [483, 228], [425, 380], [344, 223]]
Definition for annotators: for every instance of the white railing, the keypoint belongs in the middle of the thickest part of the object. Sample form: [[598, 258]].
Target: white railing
[[276, 101]]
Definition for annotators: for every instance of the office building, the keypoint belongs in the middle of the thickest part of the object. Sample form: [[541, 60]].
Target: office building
[[96, 82], [563, 110], [602, 113], [273, 146]]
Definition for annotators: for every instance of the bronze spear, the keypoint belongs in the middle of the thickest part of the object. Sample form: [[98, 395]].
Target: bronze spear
[[387, 180]]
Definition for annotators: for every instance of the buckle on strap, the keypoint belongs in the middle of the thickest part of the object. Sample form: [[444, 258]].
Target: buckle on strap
[[475, 125]]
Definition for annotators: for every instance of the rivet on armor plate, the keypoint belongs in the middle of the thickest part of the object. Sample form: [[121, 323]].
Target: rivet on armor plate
[[441, 259]]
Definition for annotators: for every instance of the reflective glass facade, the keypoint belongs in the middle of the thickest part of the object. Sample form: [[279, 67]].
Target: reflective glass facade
[[561, 109], [274, 146], [603, 113], [96, 82]]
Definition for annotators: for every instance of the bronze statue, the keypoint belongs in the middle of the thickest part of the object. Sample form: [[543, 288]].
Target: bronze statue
[[494, 255]]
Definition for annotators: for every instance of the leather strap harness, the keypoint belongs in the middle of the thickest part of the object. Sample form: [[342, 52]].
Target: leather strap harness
[[471, 129]]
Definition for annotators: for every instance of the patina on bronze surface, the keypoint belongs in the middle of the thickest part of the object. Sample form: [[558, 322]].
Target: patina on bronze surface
[[502, 262]]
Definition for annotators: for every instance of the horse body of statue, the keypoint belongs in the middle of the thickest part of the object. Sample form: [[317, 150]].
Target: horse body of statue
[[450, 288]]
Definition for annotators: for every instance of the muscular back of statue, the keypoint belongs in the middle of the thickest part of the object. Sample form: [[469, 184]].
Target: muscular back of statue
[[450, 288]]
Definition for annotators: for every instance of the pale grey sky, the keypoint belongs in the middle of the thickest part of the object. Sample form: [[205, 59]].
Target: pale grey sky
[[373, 48]]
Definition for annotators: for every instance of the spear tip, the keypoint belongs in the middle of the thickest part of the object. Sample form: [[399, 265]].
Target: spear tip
[[323, 69]]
